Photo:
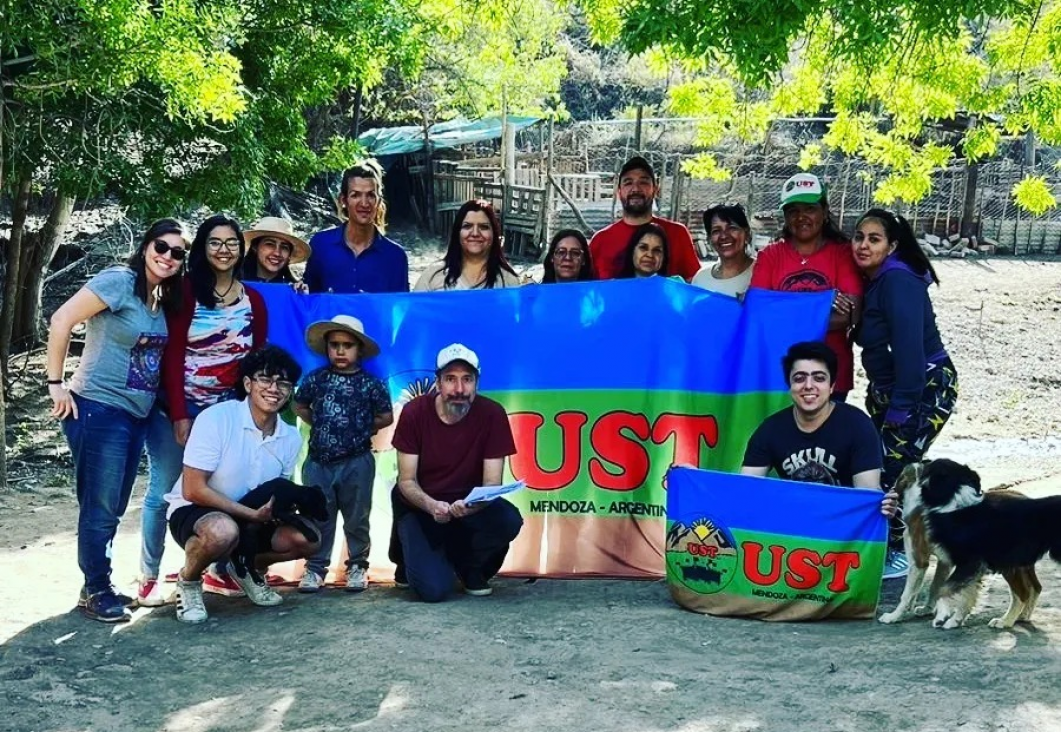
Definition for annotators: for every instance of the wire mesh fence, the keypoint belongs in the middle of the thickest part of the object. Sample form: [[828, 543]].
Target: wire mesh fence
[[758, 171]]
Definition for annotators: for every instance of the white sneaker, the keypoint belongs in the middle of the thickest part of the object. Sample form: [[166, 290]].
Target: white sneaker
[[149, 593], [311, 582], [258, 594], [356, 579], [190, 606]]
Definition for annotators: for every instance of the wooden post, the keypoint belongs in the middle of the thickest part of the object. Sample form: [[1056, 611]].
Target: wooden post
[[637, 128], [429, 180], [547, 195]]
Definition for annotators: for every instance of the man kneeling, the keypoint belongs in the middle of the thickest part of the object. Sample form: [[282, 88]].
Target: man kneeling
[[234, 447], [448, 443]]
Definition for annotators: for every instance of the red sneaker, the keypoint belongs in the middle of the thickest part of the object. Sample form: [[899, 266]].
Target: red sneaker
[[221, 584]]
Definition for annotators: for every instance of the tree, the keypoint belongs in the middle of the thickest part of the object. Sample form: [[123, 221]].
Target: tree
[[168, 106], [892, 74]]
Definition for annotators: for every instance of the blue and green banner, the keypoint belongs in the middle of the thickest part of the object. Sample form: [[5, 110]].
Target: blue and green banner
[[773, 549], [607, 384]]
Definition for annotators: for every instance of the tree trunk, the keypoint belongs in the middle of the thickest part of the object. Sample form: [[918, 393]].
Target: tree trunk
[[38, 256], [359, 98], [12, 277], [968, 226]]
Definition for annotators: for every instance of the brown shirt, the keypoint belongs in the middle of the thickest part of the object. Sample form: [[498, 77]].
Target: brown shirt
[[452, 455]]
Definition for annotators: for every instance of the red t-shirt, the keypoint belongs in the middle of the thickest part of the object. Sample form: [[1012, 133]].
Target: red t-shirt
[[607, 246], [452, 455], [780, 267]]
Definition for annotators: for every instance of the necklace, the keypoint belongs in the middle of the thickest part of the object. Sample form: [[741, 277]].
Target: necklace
[[222, 295]]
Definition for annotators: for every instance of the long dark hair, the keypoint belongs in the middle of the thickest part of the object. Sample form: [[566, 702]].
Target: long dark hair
[[249, 271], [495, 258], [585, 272], [170, 290], [201, 274], [907, 249], [627, 270], [830, 231]]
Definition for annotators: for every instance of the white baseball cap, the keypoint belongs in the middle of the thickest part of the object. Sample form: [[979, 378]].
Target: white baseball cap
[[802, 188], [457, 352]]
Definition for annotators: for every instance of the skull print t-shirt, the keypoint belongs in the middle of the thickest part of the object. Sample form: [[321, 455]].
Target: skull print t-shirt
[[845, 445]]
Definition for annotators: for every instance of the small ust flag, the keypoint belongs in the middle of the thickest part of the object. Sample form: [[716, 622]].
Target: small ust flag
[[773, 549]]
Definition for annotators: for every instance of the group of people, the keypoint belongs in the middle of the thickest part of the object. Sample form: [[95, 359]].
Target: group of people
[[176, 359]]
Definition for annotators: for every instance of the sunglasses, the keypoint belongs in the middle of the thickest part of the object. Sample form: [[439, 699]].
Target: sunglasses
[[161, 247]]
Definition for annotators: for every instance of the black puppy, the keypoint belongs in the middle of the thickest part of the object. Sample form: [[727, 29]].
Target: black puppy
[[292, 505]]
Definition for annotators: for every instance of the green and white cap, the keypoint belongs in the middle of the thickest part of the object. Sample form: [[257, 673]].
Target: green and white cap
[[802, 188]]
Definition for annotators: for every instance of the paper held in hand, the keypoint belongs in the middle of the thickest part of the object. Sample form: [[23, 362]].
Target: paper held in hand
[[490, 492]]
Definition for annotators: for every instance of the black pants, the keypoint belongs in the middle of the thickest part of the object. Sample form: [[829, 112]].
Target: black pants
[[432, 553]]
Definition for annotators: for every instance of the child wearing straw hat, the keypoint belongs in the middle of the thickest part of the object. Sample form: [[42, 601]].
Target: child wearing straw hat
[[344, 407]]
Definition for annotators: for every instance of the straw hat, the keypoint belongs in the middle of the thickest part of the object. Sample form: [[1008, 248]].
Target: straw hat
[[281, 229], [317, 334]]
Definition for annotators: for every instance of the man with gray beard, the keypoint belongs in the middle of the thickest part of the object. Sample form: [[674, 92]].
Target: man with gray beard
[[450, 441]]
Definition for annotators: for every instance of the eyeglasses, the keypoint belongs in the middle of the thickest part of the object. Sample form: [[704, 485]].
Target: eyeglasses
[[162, 246], [230, 244], [575, 254], [282, 385]]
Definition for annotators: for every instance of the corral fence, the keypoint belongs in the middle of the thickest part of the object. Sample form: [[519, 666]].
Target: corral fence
[[565, 177]]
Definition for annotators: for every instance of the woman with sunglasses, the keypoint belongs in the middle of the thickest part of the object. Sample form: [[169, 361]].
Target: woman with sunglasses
[[105, 409], [219, 322], [567, 259]]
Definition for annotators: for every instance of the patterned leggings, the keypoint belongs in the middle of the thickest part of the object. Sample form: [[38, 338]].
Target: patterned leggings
[[908, 443]]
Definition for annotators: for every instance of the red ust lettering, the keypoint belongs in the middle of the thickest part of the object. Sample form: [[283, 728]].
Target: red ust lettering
[[842, 563], [525, 465], [803, 572], [610, 441], [688, 431], [751, 551]]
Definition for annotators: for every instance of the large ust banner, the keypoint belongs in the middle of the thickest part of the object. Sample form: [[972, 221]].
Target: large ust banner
[[606, 385]]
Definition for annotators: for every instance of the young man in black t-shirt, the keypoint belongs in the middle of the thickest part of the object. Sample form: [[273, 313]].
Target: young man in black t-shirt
[[818, 440]]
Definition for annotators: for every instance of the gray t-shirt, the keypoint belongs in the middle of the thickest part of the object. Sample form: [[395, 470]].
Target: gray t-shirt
[[123, 346]]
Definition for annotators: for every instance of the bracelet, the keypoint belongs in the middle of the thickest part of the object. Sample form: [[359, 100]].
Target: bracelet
[[54, 381]]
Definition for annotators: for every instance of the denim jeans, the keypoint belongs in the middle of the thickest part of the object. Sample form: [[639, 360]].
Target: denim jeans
[[106, 443], [433, 553], [165, 461], [347, 486]]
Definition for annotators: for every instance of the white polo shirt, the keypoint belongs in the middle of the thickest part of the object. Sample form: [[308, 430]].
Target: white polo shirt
[[226, 443]]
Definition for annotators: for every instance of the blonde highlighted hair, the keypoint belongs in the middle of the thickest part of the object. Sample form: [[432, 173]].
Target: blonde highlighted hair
[[369, 169]]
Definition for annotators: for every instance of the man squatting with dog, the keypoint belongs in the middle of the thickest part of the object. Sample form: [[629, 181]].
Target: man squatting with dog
[[234, 448], [818, 440], [448, 443]]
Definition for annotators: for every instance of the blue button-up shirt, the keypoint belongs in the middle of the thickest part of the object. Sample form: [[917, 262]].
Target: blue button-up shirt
[[333, 267]]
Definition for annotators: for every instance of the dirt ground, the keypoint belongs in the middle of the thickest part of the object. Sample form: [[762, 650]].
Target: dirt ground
[[553, 655]]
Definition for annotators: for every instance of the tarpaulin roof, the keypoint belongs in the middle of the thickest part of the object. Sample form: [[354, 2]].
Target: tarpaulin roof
[[404, 140]]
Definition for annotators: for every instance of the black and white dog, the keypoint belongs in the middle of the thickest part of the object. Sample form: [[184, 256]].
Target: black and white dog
[[292, 505], [975, 532]]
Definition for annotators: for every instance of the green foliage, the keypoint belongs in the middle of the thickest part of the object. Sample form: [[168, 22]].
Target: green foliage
[[180, 103], [1033, 194], [908, 82]]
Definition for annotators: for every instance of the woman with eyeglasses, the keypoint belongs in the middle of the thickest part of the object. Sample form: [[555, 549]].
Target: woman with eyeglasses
[[567, 258], [220, 322], [105, 409], [730, 235]]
